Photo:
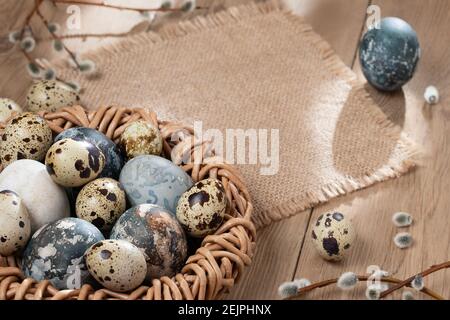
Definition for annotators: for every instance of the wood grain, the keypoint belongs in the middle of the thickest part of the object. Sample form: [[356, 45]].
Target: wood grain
[[423, 192]]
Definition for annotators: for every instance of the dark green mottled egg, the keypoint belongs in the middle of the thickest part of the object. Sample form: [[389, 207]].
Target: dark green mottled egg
[[158, 234], [389, 54], [56, 253], [114, 161]]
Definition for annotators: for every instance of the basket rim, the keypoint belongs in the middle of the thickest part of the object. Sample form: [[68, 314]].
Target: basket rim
[[216, 265]]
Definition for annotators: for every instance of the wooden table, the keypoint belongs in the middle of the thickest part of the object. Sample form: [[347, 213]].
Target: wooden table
[[285, 251]]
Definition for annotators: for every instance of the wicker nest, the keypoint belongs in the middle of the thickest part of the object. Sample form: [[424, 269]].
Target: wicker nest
[[207, 274]]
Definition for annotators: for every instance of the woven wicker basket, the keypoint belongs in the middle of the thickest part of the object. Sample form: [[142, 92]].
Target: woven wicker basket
[[207, 274]]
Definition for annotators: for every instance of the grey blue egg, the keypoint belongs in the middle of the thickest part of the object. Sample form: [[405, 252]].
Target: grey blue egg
[[114, 160], [389, 54], [56, 253], [156, 180], [158, 234]]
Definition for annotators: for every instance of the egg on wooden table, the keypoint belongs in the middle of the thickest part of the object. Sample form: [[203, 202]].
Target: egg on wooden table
[[45, 200], [201, 209], [114, 160], [101, 202], [26, 136], [15, 224], [139, 138], [73, 163], [50, 95], [333, 235], [116, 264], [156, 180], [7, 108], [158, 234], [56, 253]]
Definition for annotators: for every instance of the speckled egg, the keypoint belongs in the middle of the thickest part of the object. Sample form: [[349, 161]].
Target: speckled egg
[[101, 202], [139, 138], [56, 253], [45, 200], [50, 95], [116, 264], [15, 225], [114, 160], [7, 108], [26, 136], [202, 208], [158, 234], [153, 179], [389, 54], [73, 163], [333, 236]]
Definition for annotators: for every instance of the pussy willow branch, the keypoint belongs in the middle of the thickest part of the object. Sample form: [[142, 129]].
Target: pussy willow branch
[[407, 282], [37, 3], [55, 37], [329, 282]]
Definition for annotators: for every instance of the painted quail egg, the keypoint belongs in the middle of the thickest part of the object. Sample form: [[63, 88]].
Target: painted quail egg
[[26, 136], [101, 202], [15, 225], [117, 264], [158, 234], [7, 108], [114, 160], [201, 209], [73, 163], [333, 235], [50, 95], [56, 253], [139, 138]]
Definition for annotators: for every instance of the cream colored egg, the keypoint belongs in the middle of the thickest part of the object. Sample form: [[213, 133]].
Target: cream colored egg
[[118, 265], [201, 208], [15, 226], [73, 163], [26, 136], [140, 138], [7, 108], [50, 95], [333, 236], [101, 202]]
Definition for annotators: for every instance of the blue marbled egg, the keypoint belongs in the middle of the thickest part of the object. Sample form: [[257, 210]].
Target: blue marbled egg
[[156, 180], [56, 253], [158, 234], [113, 158], [389, 55]]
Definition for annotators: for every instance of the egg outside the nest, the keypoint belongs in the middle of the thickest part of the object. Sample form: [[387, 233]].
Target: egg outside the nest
[[50, 95], [8, 108], [333, 236], [116, 264], [158, 234], [202, 208], [389, 54], [56, 253]]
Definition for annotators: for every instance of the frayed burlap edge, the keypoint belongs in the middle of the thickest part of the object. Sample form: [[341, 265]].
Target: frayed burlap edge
[[409, 153]]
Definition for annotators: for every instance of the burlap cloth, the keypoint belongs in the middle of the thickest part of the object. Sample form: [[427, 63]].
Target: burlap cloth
[[256, 66]]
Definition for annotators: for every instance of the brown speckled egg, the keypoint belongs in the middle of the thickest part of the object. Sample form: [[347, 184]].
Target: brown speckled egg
[[50, 95], [116, 264], [201, 208], [333, 235], [15, 226], [158, 234], [26, 136], [101, 202], [73, 163], [139, 138], [7, 108]]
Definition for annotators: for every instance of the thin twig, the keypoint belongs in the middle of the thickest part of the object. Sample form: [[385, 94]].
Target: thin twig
[[105, 5], [328, 282], [407, 282], [37, 3]]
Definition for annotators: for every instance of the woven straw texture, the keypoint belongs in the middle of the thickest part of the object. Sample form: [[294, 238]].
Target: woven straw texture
[[215, 266], [258, 67]]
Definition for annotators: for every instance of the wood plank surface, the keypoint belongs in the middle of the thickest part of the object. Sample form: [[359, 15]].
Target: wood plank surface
[[423, 192]]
